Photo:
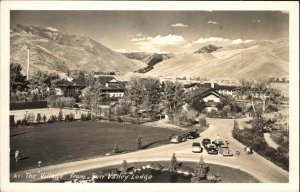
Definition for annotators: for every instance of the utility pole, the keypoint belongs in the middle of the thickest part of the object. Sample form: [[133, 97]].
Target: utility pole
[[28, 60]]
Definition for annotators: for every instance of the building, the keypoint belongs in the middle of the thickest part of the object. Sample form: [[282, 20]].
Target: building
[[111, 87], [212, 99], [69, 88]]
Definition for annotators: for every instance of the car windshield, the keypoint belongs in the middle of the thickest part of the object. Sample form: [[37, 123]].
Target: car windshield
[[196, 144]]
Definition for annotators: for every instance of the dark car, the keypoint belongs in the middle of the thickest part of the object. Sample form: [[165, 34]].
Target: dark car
[[205, 142], [218, 142], [192, 135], [212, 149]]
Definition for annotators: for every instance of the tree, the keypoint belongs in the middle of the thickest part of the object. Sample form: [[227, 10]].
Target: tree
[[259, 88], [174, 97], [174, 163], [82, 117], [152, 94], [29, 117], [203, 122], [201, 171], [124, 167], [38, 118], [17, 81], [60, 115], [139, 142], [44, 118]]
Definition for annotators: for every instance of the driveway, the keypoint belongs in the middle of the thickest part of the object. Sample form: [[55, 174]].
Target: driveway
[[254, 164]]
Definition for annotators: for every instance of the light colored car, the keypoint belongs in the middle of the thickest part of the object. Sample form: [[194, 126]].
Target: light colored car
[[196, 147], [224, 150], [175, 139]]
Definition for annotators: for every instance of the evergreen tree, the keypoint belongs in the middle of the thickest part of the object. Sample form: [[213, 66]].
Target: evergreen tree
[[174, 163], [60, 115], [124, 166], [38, 118], [44, 118], [201, 171], [139, 142]]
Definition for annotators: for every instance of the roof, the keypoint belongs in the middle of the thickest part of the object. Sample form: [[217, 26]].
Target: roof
[[105, 79], [211, 92]]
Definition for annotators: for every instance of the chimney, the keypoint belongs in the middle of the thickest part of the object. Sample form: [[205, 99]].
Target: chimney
[[28, 60], [106, 84], [212, 84]]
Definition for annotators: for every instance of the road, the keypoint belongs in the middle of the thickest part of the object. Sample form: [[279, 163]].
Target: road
[[254, 164]]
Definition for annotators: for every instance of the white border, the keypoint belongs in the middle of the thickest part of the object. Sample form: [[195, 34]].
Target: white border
[[292, 7]]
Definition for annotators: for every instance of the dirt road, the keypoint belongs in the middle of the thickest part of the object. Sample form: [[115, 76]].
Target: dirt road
[[254, 164]]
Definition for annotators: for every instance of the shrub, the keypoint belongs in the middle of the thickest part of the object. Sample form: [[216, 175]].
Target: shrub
[[116, 148], [29, 117], [156, 166], [119, 120], [67, 118], [72, 117], [18, 123], [201, 171], [213, 113], [214, 178], [203, 122]]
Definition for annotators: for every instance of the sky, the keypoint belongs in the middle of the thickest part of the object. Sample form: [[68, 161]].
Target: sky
[[162, 31]]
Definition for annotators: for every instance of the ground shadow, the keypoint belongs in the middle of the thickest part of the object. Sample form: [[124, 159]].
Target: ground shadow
[[19, 134], [152, 143]]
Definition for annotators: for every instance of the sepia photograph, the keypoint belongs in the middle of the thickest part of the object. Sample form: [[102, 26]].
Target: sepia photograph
[[159, 96]]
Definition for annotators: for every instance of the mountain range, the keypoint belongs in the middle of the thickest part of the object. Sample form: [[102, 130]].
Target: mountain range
[[54, 51], [268, 58]]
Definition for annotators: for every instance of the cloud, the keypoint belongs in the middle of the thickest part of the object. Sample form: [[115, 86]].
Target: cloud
[[140, 34], [158, 43], [239, 41], [210, 39], [213, 22], [179, 25], [256, 20], [188, 45]]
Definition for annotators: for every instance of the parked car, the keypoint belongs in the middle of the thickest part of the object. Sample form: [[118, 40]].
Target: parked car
[[193, 135], [178, 139], [196, 147], [224, 150], [218, 142], [205, 142], [212, 149]]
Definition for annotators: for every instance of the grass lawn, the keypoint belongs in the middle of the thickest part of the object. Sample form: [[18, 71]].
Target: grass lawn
[[63, 142]]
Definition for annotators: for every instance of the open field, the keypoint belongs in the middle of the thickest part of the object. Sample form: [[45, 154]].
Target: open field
[[61, 142]]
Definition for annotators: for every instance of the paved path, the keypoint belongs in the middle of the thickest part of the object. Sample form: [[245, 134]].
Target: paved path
[[254, 164], [270, 141]]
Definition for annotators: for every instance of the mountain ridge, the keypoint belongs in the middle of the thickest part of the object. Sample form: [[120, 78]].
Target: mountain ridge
[[51, 50]]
